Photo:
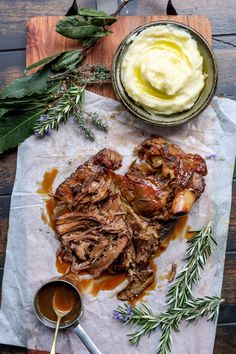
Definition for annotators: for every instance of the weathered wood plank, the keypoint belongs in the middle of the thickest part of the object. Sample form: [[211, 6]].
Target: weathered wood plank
[[4, 214], [225, 342], [7, 171], [9, 349], [12, 65], [224, 42], [108, 6], [227, 314], [221, 13], [229, 283], [226, 60], [14, 15]]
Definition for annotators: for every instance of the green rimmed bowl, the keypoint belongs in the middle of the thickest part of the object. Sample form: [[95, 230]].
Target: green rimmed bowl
[[209, 68]]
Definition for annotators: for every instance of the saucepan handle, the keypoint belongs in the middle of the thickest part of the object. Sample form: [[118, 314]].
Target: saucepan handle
[[86, 340]]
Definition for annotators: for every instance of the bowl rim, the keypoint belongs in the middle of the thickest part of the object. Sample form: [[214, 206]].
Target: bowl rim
[[148, 120]]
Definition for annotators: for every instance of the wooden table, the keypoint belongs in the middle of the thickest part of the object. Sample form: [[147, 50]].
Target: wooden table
[[222, 14]]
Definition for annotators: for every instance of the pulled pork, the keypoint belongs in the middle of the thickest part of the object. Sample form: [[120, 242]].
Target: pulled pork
[[115, 222]]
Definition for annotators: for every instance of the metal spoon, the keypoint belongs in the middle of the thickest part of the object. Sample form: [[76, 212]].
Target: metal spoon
[[68, 306]]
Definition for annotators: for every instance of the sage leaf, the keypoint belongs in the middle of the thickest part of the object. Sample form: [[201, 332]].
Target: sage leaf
[[104, 33], [16, 127], [102, 21], [76, 27], [42, 62], [97, 18], [3, 111], [26, 86], [22, 105], [68, 59]]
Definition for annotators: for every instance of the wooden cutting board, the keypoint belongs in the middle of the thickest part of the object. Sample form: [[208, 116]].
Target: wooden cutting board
[[43, 41]]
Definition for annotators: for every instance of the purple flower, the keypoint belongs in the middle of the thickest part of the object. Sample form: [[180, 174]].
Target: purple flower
[[125, 316], [118, 316], [210, 156]]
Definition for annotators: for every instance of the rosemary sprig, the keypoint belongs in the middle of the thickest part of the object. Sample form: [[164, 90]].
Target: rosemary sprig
[[181, 303], [59, 113], [199, 248], [69, 104]]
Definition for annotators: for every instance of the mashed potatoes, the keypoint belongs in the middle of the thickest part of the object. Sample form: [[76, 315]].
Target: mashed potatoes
[[162, 70]]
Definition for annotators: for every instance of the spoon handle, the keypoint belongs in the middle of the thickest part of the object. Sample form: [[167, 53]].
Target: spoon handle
[[86, 340], [53, 350]]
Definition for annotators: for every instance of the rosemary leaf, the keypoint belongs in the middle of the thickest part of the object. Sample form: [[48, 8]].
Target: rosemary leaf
[[181, 303], [198, 250]]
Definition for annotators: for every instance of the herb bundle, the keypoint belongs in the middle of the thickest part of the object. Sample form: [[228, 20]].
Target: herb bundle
[[181, 303], [43, 100]]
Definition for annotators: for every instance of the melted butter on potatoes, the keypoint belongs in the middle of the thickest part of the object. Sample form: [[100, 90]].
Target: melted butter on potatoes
[[162, 70]]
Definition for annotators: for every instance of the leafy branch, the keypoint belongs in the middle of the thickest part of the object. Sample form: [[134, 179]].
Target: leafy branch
[[181, 303], [44, 96]]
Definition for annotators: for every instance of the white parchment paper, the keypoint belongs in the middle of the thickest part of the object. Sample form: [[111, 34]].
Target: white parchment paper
[[31, 247]]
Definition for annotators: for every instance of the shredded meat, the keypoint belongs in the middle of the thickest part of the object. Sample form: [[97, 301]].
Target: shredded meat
[[116, 222]]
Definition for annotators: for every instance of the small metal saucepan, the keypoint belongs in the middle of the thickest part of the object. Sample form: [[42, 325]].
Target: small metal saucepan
[[73, 322]]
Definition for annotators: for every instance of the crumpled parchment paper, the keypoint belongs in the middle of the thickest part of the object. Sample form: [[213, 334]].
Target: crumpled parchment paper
[[31, 247]]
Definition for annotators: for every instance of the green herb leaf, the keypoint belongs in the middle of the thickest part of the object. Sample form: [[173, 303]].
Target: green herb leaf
[[26, 86], [16, 127], [68, 60], [42, 62], [76, 27], [104, 33], [97, 18], [3, 111]]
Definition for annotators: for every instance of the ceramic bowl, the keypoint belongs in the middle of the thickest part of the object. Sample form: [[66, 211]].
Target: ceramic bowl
[[209, 68]]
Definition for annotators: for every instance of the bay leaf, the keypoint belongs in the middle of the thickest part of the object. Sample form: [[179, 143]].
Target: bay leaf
[[42, 62], [27, 85], [3, 111], [104, 33], [67, 59], [103, 21], [15, 127], [76, 27]]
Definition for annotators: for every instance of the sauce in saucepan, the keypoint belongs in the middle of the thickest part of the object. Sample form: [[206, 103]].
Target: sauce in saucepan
[[66, 297]]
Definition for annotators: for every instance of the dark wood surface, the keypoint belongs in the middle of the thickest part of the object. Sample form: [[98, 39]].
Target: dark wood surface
[[222, 14]]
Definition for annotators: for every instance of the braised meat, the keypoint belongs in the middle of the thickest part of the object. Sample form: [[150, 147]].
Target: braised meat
[[115, 223]]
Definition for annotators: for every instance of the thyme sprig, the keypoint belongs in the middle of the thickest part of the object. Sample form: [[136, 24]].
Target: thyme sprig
[[181, 303], [95, 74]]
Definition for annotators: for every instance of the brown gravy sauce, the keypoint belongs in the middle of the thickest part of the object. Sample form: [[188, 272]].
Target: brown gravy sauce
[[66, 297], [107, 281]]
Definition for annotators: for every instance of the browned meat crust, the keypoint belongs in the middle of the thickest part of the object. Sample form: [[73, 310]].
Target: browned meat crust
[[115, 223]]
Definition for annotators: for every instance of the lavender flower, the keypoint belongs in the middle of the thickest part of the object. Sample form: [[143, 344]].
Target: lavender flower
[[123, 314], [210, 156]]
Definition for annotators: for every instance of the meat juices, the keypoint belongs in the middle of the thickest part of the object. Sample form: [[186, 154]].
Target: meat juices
[[116, 223]]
